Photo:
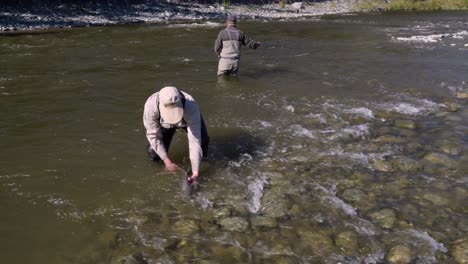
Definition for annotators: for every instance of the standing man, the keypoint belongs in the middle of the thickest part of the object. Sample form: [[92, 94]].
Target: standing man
[[228, 47], [165, 112]]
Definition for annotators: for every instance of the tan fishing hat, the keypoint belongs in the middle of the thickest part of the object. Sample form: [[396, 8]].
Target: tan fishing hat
[[170, 105]]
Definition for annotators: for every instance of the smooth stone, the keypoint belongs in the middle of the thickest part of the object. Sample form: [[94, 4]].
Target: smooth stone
[[406, 164], [436, 199], [408, 124], [185, 227], [399, 255], [380, 165], [439, 159], [275, 205], [234, 224], [347, 241], [318, 242], [222, 253], [385, 218], [452, 106], [460, 252], [222, 212], [263, 223], [451, 149], [462, 95], [354, 195], [389, 139]]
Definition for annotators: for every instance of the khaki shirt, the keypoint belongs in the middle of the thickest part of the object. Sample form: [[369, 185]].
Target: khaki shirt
[[191, 120]]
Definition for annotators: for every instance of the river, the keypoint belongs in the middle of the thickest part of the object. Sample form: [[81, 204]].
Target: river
[[342, 141]]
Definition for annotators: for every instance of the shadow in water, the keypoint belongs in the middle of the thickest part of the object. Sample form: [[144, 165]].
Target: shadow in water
[[232, 143]]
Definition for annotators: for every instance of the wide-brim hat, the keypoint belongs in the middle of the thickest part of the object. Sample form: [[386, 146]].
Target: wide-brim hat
[[170, 105]]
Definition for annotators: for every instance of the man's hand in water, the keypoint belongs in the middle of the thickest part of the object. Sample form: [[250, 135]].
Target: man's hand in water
[[193, 178], [170, 166]]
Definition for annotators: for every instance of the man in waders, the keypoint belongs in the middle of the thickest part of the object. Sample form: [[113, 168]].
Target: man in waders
[[228, 46], [165, 112]]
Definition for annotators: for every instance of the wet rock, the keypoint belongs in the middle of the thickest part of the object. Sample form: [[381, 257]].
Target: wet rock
[[462, 95], [319, 242], [436, 199], [460, 252], [387, 114], [279, 259], [228, 254], [185, 227], [354, 195], [408, 124], [234, 224], [222, 212], [381, 165], [389, 139], [406, 164], [347, 241], [385, 218], [451, 149], [263, 223], [399, 255], [275, 205], [439, 159], [413, 147], [452, 106]]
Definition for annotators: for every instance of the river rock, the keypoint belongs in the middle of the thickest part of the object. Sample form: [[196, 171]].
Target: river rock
[[462, 95], [228, 254], [185, 227], [385, 218], [234, 224], [451, 149], [406, 164], [436, 199], [460, 252], [452, 106], [389, 139], [347, 241], [319, 242], [222, 212], [408, 124], [439, 159], [399, 255], [263, 223], [275, 205], [381, 165], [354, 195]]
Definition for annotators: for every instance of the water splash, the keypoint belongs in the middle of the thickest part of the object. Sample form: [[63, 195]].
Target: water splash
[[256, 194]]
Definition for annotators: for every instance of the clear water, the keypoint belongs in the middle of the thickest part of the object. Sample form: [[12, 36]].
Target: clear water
[[303, 122]]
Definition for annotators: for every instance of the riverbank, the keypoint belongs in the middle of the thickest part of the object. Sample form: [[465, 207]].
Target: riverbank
[[65, 16]]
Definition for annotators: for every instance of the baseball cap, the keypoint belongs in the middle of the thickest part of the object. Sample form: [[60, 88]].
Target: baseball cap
[[170, 105]]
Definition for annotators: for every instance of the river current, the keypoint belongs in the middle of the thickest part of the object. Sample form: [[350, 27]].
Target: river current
[[344, 140]]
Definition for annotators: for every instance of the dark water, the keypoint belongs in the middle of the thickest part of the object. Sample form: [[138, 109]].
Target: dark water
[[340, 134]]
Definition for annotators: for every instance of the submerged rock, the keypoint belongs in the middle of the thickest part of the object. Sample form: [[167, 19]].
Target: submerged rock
[[385, 218], [460, 252], [185, 227], [263, 223], [347, 241], [439, 159], [436, 199], [406, 164], [354, 195], [399, 255], [408, 124], [275, 205], [389, 139], [452, 106], [234, 224], [462, 95], [381, 165], [319, 242]]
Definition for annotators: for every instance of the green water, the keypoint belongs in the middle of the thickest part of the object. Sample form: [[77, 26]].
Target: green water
[[313, 155]]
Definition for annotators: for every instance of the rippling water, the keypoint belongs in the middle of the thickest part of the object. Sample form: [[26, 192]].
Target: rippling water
[[343, 140]]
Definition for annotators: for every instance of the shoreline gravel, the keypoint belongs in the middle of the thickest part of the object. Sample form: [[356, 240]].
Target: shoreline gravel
[[69, 16]]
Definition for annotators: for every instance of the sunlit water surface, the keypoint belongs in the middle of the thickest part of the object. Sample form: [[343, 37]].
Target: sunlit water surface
[[343, 140]]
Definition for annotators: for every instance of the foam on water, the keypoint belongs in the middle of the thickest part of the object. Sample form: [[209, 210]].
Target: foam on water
[[256, 192], [362, 111], [300, 131], [196, 25]]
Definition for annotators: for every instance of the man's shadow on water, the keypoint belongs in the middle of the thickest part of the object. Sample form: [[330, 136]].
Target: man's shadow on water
[[230, 144]]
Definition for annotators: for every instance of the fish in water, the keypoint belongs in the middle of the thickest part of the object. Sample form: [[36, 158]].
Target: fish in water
[[189, 186]]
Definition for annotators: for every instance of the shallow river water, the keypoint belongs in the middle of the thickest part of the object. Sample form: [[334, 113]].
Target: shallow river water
[[344, 140]]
